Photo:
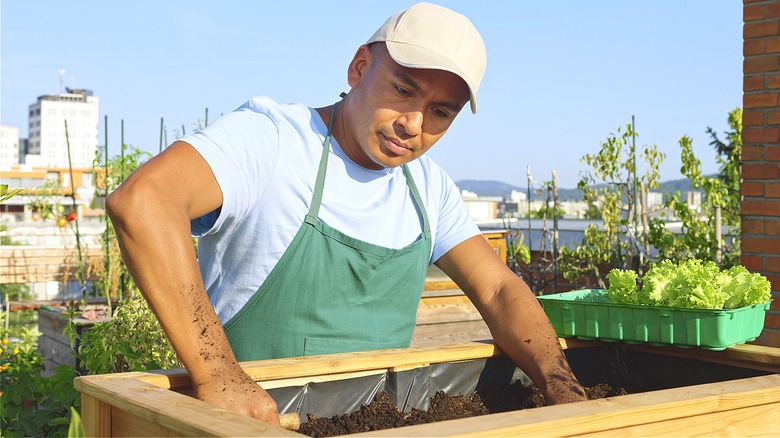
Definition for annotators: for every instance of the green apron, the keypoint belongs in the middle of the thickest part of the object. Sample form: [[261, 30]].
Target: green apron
[[332, 293]]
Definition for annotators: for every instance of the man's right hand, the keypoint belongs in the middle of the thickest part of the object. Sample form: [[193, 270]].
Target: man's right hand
[[237, 392]]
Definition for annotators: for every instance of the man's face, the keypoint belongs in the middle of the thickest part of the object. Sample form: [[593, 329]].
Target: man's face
[[395, 114]]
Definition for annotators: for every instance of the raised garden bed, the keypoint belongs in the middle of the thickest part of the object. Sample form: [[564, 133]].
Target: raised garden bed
[[744, 398]]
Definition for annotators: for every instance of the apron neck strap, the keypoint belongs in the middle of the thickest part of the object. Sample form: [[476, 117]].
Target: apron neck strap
[[418, 202], [316, 199]]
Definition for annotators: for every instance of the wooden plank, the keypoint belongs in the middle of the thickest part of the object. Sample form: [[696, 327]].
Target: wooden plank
[[434, 310], [763, 420], [95, 416], [34, 265], [576, 419], [445, 333], [53, 258], [69, 303], [129, 425], [301, 381], [173, 411], [42, 276], [26, 256], [292, 367], [752, 356], [439, 284], [367, 360], [757, 357], [442, 293]]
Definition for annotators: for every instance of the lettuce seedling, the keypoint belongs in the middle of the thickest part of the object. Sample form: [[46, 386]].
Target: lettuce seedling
[[746, 288], [690, 284], [654, 290], [623, 286]]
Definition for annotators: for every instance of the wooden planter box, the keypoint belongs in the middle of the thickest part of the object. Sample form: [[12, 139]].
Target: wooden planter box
[[159, 404]]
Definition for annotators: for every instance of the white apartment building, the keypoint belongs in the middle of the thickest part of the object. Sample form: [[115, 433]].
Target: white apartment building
[[9, 146], [48, 145]]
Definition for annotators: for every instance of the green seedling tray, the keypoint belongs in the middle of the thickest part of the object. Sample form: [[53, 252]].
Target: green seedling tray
[[590, 314]]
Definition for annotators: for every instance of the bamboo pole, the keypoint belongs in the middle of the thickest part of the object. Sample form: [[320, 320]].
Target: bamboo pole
[[121, 179], [122, 151], [80, 272], [161, 135], [556, 206], [106, 239], [528, 203], [645, 226]]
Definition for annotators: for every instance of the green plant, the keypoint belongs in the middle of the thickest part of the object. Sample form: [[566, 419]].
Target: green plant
[[114, 281], [131, 341], [614, 185], [549, 212], [690, 283], [18, 320], [629, 238], [30, 404], [699, 238], [6, 194]]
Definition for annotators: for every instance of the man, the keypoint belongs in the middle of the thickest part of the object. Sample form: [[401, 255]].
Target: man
[[318, 225]]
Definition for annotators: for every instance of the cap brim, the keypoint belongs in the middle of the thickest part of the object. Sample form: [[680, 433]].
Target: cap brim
[[413, 56]]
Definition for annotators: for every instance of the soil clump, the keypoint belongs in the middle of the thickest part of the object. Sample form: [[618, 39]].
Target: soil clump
[[382, 413]]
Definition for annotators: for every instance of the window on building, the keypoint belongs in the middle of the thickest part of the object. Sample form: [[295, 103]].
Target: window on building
[[87, 179]]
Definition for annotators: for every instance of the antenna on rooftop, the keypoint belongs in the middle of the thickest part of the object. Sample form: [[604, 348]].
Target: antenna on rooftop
[[62, 79]]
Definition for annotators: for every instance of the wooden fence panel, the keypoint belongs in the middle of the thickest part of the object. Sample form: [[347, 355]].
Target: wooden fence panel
[[41, 264]]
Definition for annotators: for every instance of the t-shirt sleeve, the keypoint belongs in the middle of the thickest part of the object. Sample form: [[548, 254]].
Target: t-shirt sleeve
[[242, 149], [454, 224]]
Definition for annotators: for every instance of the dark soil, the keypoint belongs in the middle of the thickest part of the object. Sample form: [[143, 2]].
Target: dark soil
[[381, 413]]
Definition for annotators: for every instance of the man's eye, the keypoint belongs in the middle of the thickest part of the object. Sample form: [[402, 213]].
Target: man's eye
[[401, 91], [441, 113]]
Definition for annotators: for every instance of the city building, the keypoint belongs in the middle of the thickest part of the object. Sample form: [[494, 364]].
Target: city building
[[48, 144], [9, 146], [481, 207]]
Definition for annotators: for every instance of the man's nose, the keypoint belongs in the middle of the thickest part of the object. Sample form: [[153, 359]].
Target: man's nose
[[412, 122]]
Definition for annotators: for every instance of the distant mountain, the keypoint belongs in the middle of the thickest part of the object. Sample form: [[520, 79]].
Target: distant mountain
[[502, 189]]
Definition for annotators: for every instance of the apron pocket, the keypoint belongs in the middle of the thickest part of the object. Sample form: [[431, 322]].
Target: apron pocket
[[316, 346]]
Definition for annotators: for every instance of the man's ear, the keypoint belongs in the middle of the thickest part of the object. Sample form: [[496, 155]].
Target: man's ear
[[359, 66]]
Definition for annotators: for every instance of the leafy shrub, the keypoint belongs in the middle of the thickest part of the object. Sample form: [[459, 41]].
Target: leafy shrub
[[131, 341], [30, 404]]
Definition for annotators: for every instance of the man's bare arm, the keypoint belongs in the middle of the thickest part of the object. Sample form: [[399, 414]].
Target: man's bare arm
[[516, 320], [151, 212]]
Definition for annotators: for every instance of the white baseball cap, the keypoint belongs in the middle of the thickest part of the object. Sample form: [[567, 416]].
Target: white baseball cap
[[434, 37]]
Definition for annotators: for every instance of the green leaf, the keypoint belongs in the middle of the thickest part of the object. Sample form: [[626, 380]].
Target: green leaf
[[76, 429]]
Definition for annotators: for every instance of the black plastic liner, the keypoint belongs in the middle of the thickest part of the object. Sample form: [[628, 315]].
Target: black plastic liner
[[636, 371]]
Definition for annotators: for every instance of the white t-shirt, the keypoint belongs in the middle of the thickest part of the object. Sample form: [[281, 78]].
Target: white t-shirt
[[265, 158]]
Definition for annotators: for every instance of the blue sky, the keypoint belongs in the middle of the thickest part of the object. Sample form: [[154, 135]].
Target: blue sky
[[562, 75]]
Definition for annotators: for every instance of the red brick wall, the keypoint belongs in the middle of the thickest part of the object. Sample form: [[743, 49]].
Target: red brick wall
[[761, 151]]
